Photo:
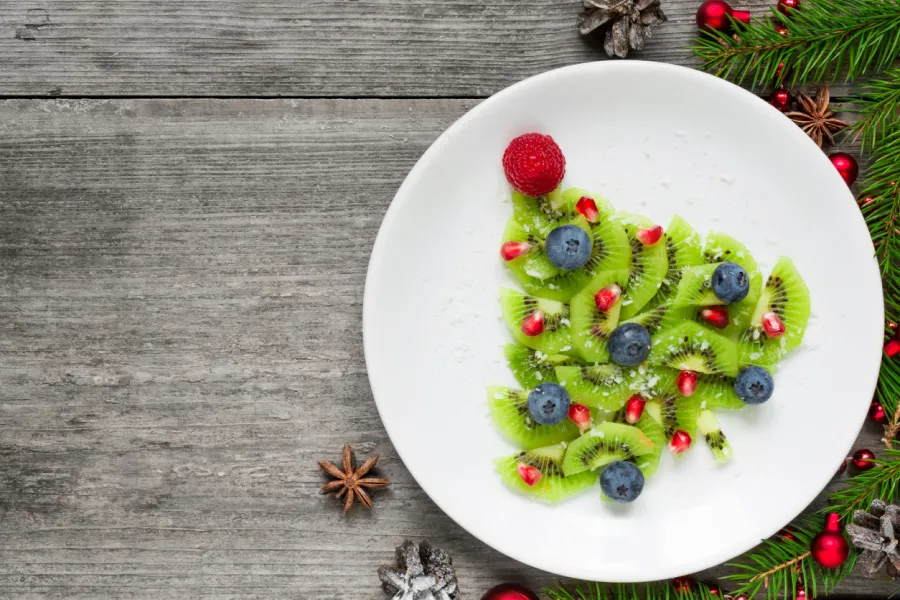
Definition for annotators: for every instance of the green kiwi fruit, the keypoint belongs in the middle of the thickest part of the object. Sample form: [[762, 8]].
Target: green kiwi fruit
[[590, 327], [599, 386], [553, 485], [673, 412], [542, 214], [571, 196], [534, 264], [649, 266], [717, 392], [605, 443], [517, 306], [692, 347], [695, 287], [532, 367], [786, 295], [683, 249], [649, 463], [720, 247], [509, 409], [712, 433], [661, 316]]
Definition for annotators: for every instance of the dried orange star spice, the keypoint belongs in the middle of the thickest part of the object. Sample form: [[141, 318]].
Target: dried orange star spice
[[350, 482]]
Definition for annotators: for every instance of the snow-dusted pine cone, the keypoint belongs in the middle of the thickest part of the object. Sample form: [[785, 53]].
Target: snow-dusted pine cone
[[423, 573]]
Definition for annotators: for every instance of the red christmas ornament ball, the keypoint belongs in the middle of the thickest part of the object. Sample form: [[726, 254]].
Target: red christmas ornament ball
[[713, 14], [863, 459], [892, 347], [684, 584], [781, 99], [509, 591], [785, 6], [781, 28], [876, 412], [830, 548], [846, 166]]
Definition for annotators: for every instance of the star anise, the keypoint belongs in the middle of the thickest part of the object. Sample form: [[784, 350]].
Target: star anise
[[627, 22], [351, 481], [816, 118]]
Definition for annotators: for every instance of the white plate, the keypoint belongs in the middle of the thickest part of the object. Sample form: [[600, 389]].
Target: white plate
[[657, 140]]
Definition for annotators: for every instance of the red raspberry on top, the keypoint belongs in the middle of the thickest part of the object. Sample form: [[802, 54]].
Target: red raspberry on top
[[534, 164]]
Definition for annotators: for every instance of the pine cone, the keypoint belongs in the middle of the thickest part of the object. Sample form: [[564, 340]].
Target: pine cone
[[874, 533], [627, 23], [424, 573]]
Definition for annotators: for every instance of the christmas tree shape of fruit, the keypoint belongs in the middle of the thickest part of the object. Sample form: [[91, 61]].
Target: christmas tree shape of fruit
[[627, 336]]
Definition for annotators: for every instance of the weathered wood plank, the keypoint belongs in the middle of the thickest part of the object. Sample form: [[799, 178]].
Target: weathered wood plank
[[180, 310], [314, 48]]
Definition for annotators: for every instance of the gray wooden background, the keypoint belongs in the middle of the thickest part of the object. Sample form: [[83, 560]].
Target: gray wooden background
[[190, 190]]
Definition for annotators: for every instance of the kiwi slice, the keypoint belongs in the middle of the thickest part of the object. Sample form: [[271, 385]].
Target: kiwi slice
[[649, 265], [717, 392], [542, 214], [571, 196], [649, 463], [786, 295], [719, 248], [599, 386], [553, 485], [532, 367], [692, 347], [695, 287], [517, 306], [605, 443], [534, 264], [590, 327], [712, 433], [673, 412], [661, 316], [683, 249], [509, 409]]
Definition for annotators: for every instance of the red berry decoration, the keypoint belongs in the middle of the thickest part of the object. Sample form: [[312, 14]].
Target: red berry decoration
[[717, 316], [533, 324], [580, 415], [509, 591], [846, 166], [650, 235], [680, 443], [713, 14], [534, 164], [530, 475], [892, 326], [842, 468], [785, 6], [800, 594], [787, 533], [863, 459], [587, 208], [606, 297], [740, 597], [513, 250], [714, 591], [781, 28], [830, 548], [684, 584], [781, 99], [772, 324], [686, 383], [634, 408], [863, 201], [876, 412], [892, 347]]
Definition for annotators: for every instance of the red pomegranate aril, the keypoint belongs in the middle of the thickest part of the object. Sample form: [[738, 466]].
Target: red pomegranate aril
[[717, 316], [512, 250], [581, 416], [650, 235], [681, 441], [772, 324], [606, 297], [634, 408], [587, 208], [530, 475], [687, 383], [892, 347], [533, 324]]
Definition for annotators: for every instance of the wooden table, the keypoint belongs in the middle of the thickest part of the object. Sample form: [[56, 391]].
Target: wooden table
[[190, 190]]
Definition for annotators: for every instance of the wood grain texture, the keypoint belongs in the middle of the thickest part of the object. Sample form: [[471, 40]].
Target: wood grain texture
[[312, 48], [180, 308]]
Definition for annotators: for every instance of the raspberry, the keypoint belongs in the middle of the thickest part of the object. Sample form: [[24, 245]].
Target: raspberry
[[534, 164]]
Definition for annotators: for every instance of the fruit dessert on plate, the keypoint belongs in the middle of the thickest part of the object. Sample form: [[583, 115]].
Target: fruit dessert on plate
[[627, 337]]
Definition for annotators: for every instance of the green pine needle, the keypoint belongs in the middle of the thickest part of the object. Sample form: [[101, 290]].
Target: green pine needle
[[880, 108], [620, 591], [882, 482], [825, 39]]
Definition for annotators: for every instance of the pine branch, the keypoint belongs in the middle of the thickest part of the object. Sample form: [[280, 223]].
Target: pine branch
[[883, 481], [645, 591], [886, 392], [880, 108], [825, 38]]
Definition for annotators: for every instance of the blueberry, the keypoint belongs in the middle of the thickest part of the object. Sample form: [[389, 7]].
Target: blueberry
[[629, 344], [730, 282], [568, 247], [549, 403], [754, 385], [621, 481]]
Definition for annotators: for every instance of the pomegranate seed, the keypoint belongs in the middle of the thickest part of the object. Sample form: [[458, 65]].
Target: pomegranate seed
[[772, 324], [649, 236], [717, 316], [530, 475], [892, 347], [513, 250], [634, 408], [587, 208], [687, 383], [680, 443], [684, 585], [533, 324], [605, 298], [581, 416]]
